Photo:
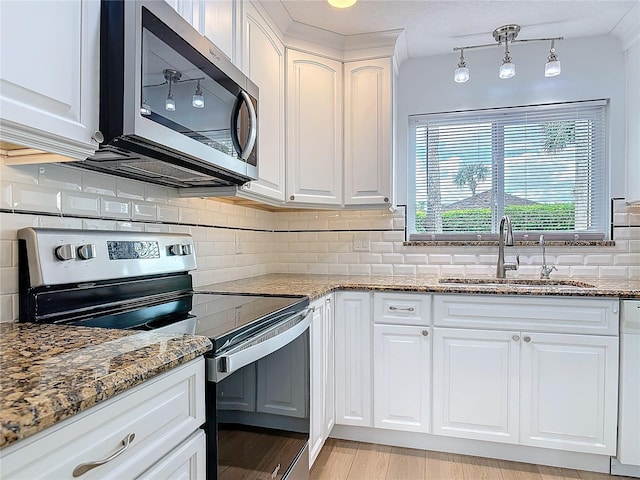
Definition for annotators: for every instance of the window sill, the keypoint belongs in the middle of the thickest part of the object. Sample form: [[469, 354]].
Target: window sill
[[494, 243]]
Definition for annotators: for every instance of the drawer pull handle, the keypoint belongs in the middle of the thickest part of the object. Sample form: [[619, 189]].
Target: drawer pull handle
[[401, 309], [85, 467]]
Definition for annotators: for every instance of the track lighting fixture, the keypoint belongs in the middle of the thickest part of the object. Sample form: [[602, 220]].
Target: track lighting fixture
[[198, 99], [171, 76], [506, 35], [552, 67], [461, 74]]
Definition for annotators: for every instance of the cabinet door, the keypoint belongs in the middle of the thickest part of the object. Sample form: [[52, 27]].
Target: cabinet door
[[314, 129], [49, 75], [217, 24], [317, 399], [353, 359], [185, 462], [368, 129], [569, 392], [401, 366], [329, 367], [264, 63], [475, 384]]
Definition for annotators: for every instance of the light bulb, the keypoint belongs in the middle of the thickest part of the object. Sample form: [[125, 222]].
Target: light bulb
[[461, 74], [507, 69], [198, 99], [170, 104], [551, 69]]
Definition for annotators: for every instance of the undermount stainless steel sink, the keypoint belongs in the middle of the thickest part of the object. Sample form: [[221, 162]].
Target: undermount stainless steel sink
[[515, 282]]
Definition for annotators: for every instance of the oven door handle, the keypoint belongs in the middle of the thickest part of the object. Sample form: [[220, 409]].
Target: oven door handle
[[267, 342]]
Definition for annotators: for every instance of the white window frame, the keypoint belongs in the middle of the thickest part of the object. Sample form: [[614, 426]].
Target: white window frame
[[601, 204]]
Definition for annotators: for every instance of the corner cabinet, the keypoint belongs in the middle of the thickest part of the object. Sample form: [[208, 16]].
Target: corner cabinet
[[49, 76], [314, 129], [339, 149], [368, 132]]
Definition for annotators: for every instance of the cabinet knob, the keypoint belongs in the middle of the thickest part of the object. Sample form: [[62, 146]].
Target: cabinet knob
[[516, 338], [292, 197], [98, 136], [386, 199], [425, 333], [527, 339]]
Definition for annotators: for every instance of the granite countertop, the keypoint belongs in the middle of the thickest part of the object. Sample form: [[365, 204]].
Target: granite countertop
[[315, 286], [51, 372]]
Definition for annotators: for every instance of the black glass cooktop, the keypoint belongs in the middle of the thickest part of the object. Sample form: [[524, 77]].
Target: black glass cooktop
[[230, 318]]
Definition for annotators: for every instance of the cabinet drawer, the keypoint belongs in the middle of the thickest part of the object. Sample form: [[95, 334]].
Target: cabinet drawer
[[402, 308], [160, 413], [185, 462], [592, 316]]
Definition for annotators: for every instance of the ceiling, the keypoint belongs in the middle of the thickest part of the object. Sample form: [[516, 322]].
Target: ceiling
[[434, 27]]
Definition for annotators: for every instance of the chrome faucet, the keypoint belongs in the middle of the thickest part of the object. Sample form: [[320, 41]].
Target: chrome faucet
[[502, 267], [545, 270]]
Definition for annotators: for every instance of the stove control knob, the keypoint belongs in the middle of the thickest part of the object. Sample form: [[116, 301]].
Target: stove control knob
[[86, 252], [65, 252], [187, 249]]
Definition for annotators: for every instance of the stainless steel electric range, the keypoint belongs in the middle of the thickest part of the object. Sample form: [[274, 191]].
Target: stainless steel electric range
[[258, 373]]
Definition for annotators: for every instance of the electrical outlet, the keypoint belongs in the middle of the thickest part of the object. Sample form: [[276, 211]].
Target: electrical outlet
[[239, 243], [360, 242]]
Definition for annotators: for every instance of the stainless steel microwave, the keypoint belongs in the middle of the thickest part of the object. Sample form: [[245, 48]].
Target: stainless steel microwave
[[173, 109]]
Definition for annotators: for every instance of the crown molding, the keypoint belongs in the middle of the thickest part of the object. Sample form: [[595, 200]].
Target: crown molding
[[628, 29]]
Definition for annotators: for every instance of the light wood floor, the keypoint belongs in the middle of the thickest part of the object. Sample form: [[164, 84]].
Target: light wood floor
[[344, 460]]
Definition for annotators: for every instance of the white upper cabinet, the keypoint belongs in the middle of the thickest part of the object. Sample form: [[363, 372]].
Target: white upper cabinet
[[368, 130], [314, 129], [49, 75], [214, 19], [264, 63]]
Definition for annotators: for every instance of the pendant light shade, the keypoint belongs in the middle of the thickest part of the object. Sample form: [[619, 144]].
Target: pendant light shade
[[552, 67], [342, 3], [197, 100], [461, 74]]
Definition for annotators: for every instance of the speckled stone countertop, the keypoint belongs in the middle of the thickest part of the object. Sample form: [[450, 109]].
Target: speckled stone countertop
[[51, 372], [316, 286]]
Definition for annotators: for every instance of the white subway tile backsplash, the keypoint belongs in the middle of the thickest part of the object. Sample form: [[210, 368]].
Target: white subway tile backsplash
[[6, 195], [584, 271], [452, 270], [359, 269], [112, 207], [168, 213], [318, 268], [79, 203], [33, 198], [99, 183], [404, 269], [440, 259], [6, 309], [631, 259], [156, 194], [46, 221], [381, 269], [634, 273], [60, 177], [141, 210], [570, 259], [6, 253], [393, 258], [188, 215], [464, 259], [131, 189], [19, 173], [8, 280], [415, 259], [598, 259], [613, 272], [338, 269], [130, 226], [432, 270], [94, 224]]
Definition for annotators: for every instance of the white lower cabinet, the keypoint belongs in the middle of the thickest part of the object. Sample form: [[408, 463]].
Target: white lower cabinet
[[322, 415], [353, 381], [401, 366], [475, 384], [569, 392], [550, 390], [158, 420]]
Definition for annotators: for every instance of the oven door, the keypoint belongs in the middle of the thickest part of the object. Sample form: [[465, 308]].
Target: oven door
[[258, 405]]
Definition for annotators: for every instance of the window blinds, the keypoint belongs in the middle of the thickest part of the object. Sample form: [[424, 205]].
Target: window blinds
[[544, 166]]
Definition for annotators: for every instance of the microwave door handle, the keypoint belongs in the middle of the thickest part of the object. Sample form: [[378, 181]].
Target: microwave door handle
[[244, 153], [253, 126]]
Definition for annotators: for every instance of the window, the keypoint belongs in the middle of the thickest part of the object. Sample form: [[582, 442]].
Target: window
[[544, 166]]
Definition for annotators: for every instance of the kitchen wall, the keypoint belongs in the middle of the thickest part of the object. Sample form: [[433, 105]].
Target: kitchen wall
[[318, 242]]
